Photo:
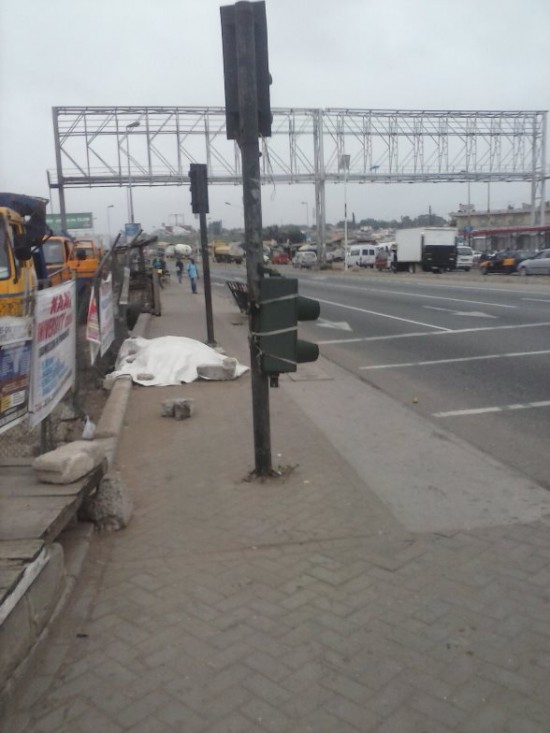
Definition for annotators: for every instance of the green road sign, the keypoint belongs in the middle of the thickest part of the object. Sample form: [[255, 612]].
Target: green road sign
[[74, 221]]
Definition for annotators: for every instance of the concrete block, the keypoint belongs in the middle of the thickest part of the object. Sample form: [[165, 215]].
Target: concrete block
[[167, 408], [24, 624], [184, 408], [69, 462], [112, 417], [219, 372], [46, 591], [16, 639]]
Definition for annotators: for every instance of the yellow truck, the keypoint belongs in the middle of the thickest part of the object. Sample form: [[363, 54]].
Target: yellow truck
[[22, 228], [86, 255], [57, 253], [227, 252]]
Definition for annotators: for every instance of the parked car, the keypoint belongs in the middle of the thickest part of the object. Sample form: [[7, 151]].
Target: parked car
[[383, 260], [362, 255], [337, 255], [464, 258], [505, 262], [537, 265], [305, 259], [280, 258]]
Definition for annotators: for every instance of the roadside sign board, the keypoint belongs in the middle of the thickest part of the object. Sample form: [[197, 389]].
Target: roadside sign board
[[83, 220], [132, 229]]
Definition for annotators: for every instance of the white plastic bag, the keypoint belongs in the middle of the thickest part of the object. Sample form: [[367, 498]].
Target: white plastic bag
[[88, 431]]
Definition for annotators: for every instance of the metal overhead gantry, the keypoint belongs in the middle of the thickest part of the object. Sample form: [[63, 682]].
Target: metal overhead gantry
[[306, 146]]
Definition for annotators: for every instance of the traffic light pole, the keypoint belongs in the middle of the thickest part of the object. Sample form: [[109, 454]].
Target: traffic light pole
[[206, 279], [250, 155]]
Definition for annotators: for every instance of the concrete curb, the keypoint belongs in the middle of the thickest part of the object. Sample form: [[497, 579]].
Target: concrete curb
[[112, 418]]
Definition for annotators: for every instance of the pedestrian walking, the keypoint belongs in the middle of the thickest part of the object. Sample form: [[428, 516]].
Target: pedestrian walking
[[394, 261], [193, 274], [179, 270]]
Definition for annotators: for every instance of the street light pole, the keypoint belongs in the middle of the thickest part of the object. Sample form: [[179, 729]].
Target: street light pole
[[130, 200], [305, 203], [466, 173], [111, 206], [344, 163]]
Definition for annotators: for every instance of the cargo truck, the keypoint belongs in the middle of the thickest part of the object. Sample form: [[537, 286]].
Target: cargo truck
[[432, 249], [224, 252]]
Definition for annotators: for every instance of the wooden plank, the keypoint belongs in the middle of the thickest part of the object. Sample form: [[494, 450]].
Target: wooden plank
[[10, 575], [30, 510], [11, 462], [20, 549], [30, 518]]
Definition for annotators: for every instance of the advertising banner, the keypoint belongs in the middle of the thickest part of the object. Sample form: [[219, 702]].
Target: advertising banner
[[53, 354], [92, 327], [106, 314], [15, 370]]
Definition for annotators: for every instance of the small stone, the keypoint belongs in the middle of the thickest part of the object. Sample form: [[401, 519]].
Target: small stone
[[145, 377], [184, 409], [167, 408]]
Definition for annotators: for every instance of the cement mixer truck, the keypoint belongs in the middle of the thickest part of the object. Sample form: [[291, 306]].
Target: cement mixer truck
[[183, 250]]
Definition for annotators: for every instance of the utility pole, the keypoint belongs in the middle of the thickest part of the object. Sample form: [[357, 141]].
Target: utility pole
[[199, 205], [248, 114], [210, 340]]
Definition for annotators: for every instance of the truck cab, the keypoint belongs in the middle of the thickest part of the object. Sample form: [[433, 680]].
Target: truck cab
[[85, 258], [18, 280], [57, 253]]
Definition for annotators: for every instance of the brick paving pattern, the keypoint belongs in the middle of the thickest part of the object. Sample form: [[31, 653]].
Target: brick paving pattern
[[298, 604]]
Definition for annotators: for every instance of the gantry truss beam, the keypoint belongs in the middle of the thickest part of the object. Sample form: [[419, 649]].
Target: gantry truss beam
[[104, 146]]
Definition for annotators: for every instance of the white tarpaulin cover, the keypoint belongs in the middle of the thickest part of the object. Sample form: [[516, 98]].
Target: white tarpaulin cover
[[168, 360]]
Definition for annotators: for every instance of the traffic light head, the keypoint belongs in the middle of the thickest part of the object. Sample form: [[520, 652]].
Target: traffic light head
[[198, 188], [280, 310]]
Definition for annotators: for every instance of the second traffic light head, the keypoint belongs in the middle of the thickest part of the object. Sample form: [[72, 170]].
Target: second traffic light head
[[198, 188]]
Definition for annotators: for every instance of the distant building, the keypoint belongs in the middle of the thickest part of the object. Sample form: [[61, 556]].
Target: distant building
[[512, 216]]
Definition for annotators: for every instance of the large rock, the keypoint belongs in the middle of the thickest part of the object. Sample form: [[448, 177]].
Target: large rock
[[180, 408], [110, 507], [69, 462], [219, 372]]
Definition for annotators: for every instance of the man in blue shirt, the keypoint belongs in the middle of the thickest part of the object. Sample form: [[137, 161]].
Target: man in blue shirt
[[193, 275]]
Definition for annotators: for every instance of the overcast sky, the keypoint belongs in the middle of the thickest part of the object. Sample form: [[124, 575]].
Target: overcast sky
[[402, 54]]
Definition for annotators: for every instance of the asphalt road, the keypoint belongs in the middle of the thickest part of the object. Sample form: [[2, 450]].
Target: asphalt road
[[471, 354]]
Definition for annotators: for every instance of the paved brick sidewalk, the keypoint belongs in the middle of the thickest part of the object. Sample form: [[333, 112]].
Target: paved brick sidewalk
[[298, 604]]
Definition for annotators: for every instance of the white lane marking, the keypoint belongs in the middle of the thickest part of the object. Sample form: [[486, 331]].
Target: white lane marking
[[435, 333], [484, 410], [415, 295], [456, 360], [477, 314], [341, 325], [536, 300], [383, 315]]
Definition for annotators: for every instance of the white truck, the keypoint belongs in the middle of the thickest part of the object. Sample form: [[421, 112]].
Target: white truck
[[433, 249]]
